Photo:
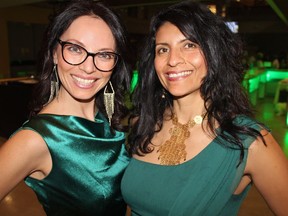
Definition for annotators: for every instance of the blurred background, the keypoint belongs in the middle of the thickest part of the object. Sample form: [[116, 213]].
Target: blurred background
[[263, 25]]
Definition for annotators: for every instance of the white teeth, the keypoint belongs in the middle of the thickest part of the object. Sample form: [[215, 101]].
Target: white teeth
[[184, 73], [83, 81]]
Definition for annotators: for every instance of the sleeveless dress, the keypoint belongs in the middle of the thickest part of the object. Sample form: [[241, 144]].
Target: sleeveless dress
[[88, 164], [202, 186]]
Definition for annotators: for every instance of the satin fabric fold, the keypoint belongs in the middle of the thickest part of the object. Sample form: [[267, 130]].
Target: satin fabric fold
[[88, 164]]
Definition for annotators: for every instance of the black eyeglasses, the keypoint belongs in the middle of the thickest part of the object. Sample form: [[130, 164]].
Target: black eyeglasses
[[74, 54]]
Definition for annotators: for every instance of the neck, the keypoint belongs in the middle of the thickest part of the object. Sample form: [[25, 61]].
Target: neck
[[63, 105], [186, 113], [188, 107]]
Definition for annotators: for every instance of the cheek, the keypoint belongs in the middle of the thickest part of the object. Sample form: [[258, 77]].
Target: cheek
[[64, 69], [195, 58], [199, 63], [158, 64], [107, 75], [158, 70], [62, 65]]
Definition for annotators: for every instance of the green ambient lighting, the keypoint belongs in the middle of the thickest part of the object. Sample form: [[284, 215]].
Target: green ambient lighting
[[276, 74], [253, 78], [267, 116], [255, 82], [285, 147], [134, 80]]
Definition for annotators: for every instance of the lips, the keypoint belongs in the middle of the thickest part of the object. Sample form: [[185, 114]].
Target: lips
[[179, 74], [82, 81]]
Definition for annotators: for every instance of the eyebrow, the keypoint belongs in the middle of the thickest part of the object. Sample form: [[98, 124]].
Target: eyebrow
[[164, 43], [73, 41], [78, 43]]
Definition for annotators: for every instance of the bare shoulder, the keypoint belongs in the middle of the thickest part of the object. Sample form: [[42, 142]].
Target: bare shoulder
[[268, 167], [27, 140], [271, 147], [24, 154], [25, 150], [265, 153]]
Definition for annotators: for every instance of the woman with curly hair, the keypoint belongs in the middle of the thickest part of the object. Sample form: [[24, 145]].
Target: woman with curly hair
[[196, 147]]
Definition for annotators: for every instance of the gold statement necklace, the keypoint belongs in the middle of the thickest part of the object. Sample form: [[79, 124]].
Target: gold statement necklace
[[173, 150]]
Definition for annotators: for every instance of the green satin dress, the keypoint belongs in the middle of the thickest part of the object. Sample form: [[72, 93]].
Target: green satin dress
[[88, 164], [202, 186]]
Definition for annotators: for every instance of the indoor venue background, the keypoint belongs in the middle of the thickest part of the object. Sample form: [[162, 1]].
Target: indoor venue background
[[263, 25]]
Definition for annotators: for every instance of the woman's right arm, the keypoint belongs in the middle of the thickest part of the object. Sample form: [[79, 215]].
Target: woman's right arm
[[23, 154]]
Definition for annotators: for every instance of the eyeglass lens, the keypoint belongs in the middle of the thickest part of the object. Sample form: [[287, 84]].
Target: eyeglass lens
[[74, 54]]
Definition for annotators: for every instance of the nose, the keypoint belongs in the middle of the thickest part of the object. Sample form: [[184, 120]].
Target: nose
[[88, 66], [175, 57]]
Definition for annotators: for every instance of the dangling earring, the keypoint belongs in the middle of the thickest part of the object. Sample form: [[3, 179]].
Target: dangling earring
[[109, 102], [163, 96], [54, 88]]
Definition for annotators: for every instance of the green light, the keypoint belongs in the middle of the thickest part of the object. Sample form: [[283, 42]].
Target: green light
[[276, 75], [253, 84], [134, 80], [263, 77], [285, 145], [267, 64], [267, 116], [268, 77]]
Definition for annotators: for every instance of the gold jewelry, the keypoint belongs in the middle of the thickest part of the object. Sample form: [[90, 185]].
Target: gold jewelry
[[54, 85], [109, 101], [173, 150]]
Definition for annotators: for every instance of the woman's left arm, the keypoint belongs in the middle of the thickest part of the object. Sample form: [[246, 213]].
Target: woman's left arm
[[268, 167]]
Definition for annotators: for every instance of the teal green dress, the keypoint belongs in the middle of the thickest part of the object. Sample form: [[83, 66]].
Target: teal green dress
[[202, 186], [88, 162]]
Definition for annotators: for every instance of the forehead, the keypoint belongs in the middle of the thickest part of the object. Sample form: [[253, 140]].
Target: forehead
[[89, 28], [168, 32]]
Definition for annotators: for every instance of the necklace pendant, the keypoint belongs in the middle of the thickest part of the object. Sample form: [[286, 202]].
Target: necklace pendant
[[173, 151], [198, 119]]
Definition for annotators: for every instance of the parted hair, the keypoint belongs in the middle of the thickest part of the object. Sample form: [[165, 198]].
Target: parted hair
[[221, 89], [60, 22]]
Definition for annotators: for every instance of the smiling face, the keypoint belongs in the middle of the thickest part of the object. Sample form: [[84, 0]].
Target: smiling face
[[179, 63], [83, 81]]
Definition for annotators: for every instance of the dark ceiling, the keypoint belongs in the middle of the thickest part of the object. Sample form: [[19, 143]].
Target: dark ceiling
[[238, 7]]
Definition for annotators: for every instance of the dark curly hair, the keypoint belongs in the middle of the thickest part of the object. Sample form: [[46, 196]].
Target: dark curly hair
[[221, 89], [121, 74]]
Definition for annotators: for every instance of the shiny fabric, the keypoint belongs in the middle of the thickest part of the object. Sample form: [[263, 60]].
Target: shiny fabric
[[202, 186], [88, 164]]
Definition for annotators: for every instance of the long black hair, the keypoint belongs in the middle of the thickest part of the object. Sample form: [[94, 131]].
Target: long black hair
[[120, 78], [221, 89]]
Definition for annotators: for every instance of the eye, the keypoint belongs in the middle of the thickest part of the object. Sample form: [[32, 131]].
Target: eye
[[73, 48], [190, 45], [106, 55], [161, 50]]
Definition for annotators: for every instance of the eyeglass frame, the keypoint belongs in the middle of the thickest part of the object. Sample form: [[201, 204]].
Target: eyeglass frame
[[63, 43]]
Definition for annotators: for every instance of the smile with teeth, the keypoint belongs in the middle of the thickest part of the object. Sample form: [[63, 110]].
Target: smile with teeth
[[181, 74], [82, 81]]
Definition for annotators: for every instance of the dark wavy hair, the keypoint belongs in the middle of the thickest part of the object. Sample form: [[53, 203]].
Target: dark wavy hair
[[121, 74], [221, 89]]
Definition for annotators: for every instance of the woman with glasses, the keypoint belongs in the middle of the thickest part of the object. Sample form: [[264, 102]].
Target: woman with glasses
[[71, 151]]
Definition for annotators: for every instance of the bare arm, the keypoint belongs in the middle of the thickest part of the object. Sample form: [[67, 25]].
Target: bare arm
[[268, 167], [22, 155]]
